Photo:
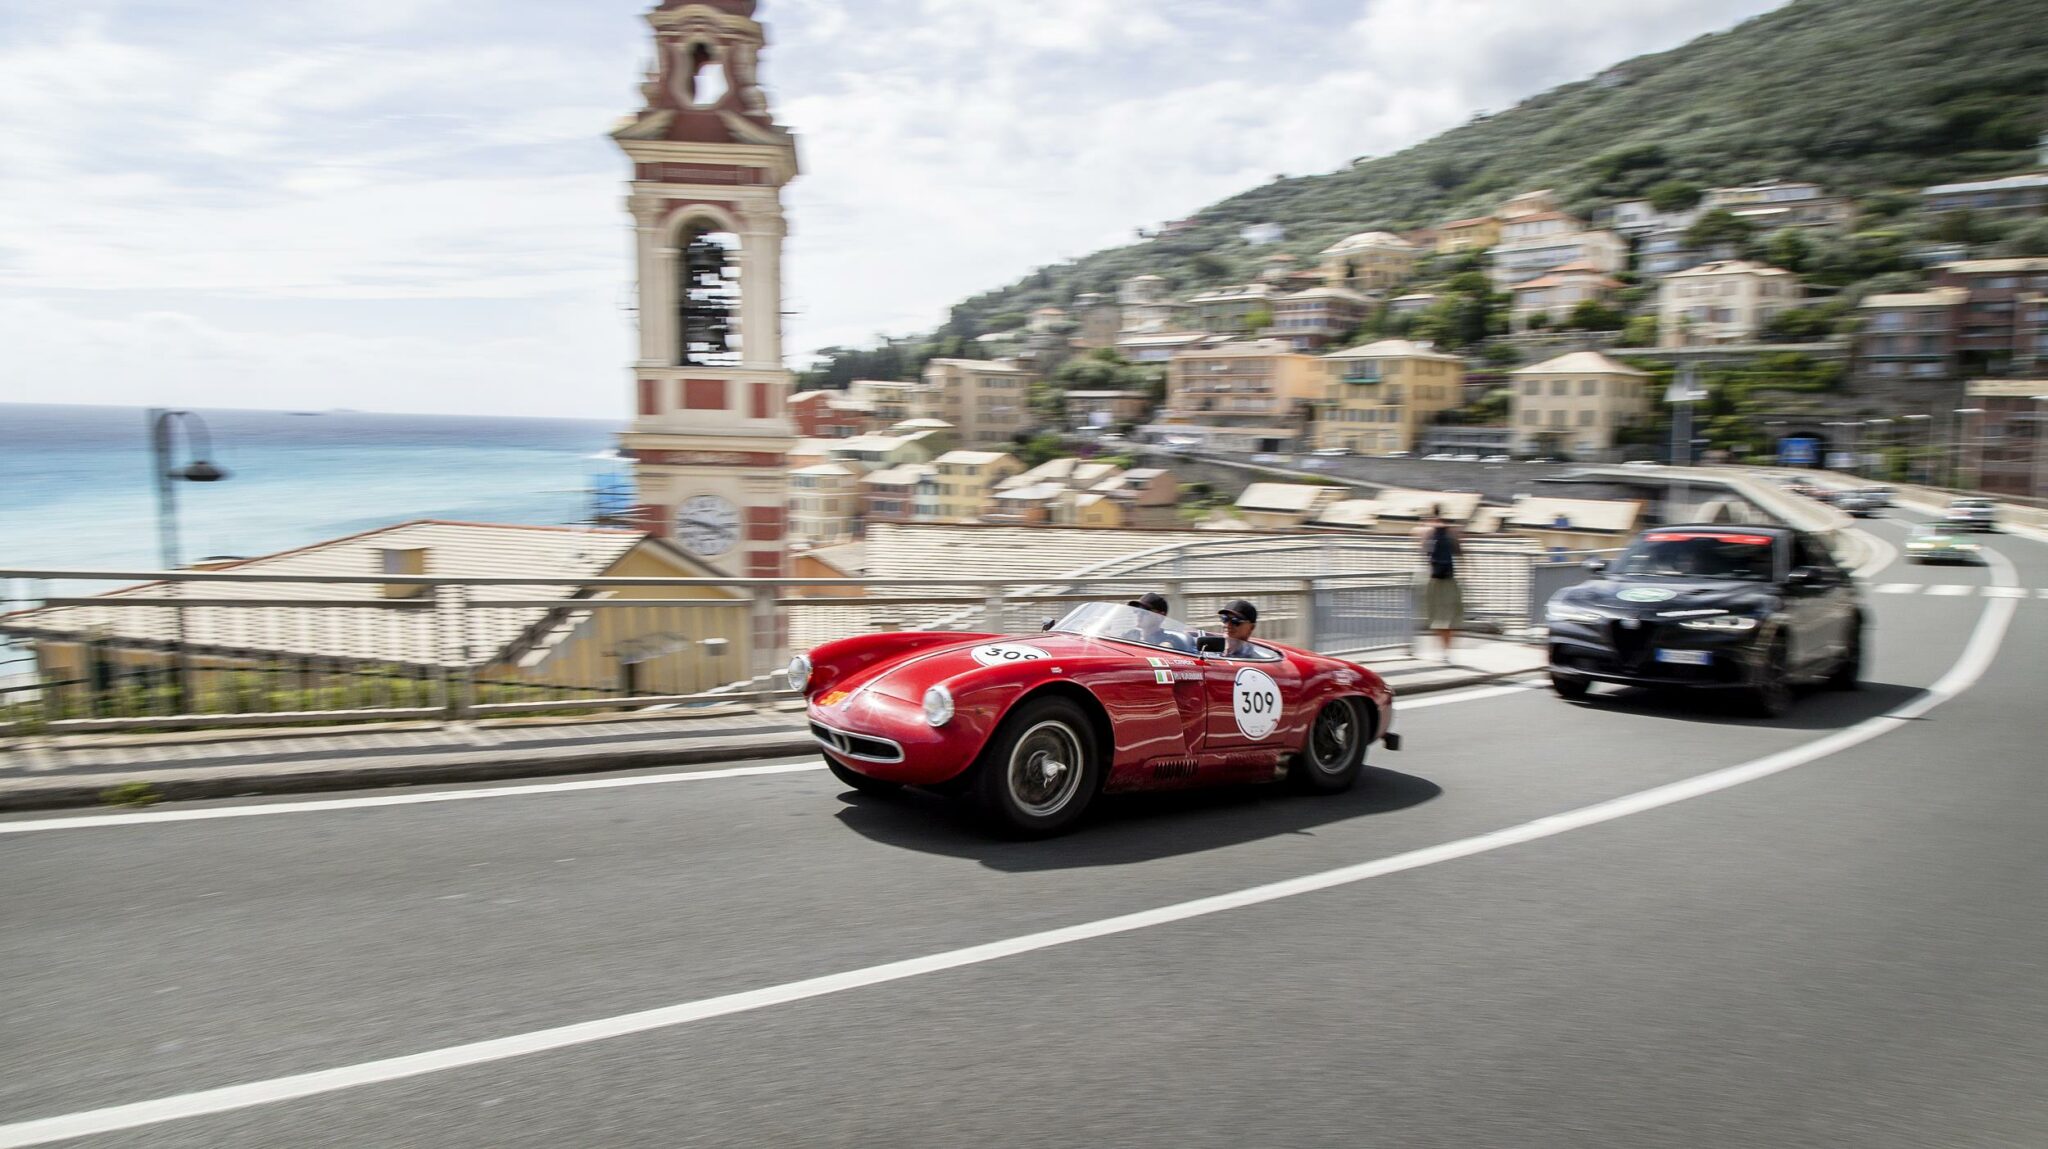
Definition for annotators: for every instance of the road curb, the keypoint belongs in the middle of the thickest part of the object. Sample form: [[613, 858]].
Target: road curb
[[200, 783]]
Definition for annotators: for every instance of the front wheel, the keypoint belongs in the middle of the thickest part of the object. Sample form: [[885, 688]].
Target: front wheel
[[1039, 773], [1570, 687], [858, 780], [1335, 751], [1771, 696]]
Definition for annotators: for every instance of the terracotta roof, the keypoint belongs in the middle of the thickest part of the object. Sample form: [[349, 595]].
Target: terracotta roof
[[1580, 363]]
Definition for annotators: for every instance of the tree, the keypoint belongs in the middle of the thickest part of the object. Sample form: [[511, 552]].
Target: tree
[[1593, 315], [1718, 227], [1641, 331], [1258, 319], [1798, 324], [1788, 248], [1538, 322], [1674, 195], [1210, 267]]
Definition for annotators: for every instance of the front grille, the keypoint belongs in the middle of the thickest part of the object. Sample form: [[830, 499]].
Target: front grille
[[1632, 644], [861, 746]]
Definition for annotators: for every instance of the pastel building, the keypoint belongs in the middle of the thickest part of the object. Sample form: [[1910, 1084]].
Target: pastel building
[[1574, 403], [1376, 398]]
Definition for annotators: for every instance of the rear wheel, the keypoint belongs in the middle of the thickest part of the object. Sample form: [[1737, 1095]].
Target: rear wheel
[[860, 781], [1039, 773], [1848, 673], [1335, 751]]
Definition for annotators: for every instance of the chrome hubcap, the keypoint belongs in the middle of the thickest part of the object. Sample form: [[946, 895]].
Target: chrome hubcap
[[1045, 769]]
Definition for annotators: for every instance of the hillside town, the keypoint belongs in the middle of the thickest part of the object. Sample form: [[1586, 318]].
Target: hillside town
[[1582, 325]]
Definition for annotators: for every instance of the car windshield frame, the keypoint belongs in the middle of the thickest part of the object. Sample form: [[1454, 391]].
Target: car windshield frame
[[1660, 546], [1121, 622]]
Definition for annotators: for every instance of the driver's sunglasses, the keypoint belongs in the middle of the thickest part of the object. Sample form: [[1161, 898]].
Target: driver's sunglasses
[[1230, 619]]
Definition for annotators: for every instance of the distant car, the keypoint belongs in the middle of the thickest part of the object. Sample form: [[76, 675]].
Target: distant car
[[1971, 514], [1271, 459], [1750, 608], [1314, 464], [1331, 452], [1466, 458], [1495, 459], [1109, 698], [1439, 457], [1641, 463], [1878, 496], [1397, 455], [1935, 543], [1856, 503]]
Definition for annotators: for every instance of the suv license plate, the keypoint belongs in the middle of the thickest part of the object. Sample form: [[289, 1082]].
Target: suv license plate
[[1686, 657]]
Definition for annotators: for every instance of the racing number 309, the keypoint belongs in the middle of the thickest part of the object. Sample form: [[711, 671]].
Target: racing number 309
[[1255, 700]]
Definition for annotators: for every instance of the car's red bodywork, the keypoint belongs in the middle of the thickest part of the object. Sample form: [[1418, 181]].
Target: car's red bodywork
[[1163, 719]]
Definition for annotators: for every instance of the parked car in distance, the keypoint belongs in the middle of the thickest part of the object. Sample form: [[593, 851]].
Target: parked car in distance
[[1879, 496], [1494, 459], [1331, 452], [1970, 513]]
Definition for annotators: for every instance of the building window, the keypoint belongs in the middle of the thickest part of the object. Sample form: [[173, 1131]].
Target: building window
[[1589, 386]]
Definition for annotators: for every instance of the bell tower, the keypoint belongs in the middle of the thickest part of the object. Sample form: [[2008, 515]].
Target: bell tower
[[709, 433]]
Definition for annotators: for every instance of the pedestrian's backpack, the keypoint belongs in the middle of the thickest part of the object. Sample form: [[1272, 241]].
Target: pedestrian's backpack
[[1443, 550]]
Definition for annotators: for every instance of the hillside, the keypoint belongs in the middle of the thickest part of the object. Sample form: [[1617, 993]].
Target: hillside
[[1860, 95]]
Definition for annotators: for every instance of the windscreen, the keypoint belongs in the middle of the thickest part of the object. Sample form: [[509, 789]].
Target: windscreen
[[1699, 554]]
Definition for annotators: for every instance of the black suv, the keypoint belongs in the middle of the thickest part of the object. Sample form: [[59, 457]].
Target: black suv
[[1757, 609]]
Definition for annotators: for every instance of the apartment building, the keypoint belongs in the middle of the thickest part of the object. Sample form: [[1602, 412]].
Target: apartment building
[[987, 401], [1369, 262], [2009, 452], [824, 504], [828, 414], [1463, 235], [1555, 294], [1161, 346], [888, 400], [1574, 403], [1260, 382], [2025, 194], [1534, 245], [1727, 301], [1105, 408], [1316, 317], [1636, 218], [1993, 333], [1779, 203], [1905, 342], [1143, 303], [1378, 397], [1234, 311], [890, 495], [964, 481]]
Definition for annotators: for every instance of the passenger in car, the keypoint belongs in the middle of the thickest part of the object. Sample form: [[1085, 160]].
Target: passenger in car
[[1240, 619]]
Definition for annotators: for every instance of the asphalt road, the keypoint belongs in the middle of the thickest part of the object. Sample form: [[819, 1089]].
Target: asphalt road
[[1845, 944]]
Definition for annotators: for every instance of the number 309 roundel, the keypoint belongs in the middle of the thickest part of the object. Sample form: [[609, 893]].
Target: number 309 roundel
[[1255, 698]]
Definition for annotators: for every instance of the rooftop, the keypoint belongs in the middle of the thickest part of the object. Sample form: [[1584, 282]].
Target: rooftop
[[1580, 363], [1605, 516], [1366, 239], [2004, 183], [972, 458], [1933, 297], [1394, 349], [1283, 497], [1729, 267]]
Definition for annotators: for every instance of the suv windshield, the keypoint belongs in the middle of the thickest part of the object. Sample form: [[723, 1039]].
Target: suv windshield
[[1699, 554]]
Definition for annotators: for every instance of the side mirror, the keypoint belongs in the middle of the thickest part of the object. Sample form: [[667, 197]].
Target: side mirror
[[1596, 565], [1211, 644], [1048, 624], [1803, 577]]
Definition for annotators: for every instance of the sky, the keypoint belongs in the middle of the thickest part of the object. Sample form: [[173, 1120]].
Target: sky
[[413, 205]]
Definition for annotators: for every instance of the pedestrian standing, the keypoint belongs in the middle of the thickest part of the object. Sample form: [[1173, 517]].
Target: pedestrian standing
[[1443, 603]]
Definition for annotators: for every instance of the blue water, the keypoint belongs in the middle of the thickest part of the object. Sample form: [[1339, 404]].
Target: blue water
[[76, 488]]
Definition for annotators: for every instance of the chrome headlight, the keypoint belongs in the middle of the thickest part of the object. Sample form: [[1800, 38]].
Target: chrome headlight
[[799, 673], [1721, 622], [1557, 612], [938, 706]]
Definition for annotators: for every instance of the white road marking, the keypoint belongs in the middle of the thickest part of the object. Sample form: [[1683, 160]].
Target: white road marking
[[2005, 592], [1951, 590], [1898, 588], [1882, 554], [323, 805], [1976, 658]]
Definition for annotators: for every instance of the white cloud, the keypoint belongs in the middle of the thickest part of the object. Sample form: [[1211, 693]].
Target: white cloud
[[419, 192]]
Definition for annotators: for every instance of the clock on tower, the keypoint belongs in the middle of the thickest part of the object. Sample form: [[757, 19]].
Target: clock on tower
[[709, 437]]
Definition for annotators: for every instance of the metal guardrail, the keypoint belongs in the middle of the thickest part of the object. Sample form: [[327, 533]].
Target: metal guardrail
[[194, 649]]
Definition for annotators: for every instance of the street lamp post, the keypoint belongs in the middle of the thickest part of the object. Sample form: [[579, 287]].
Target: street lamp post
[[1926, 451], [168, 473], [1966, 479]]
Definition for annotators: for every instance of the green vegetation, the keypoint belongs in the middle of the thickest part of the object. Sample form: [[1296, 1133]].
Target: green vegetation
[[1873, 98]]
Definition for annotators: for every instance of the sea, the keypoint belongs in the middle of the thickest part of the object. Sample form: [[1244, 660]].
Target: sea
[[77, 488]]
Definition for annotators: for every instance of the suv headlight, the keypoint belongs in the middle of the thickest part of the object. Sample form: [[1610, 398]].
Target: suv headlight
[[1721, 622], [799, 673], [938, 706], [1560, 612]]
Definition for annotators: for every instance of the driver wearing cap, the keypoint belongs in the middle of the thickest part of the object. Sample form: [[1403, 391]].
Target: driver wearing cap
[[1240, 619], [1151, 628]]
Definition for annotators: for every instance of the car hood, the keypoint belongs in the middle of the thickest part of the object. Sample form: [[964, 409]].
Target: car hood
[[1663, 597], [908, 678]]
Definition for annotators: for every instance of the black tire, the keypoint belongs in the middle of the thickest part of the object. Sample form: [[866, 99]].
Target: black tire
[[1771, 696], [1334, 751], [1016, 786], [1570, 687], [1848, 673], [860, 781]]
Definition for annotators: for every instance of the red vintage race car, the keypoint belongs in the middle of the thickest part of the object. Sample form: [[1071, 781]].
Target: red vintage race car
[[1110, 698]]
